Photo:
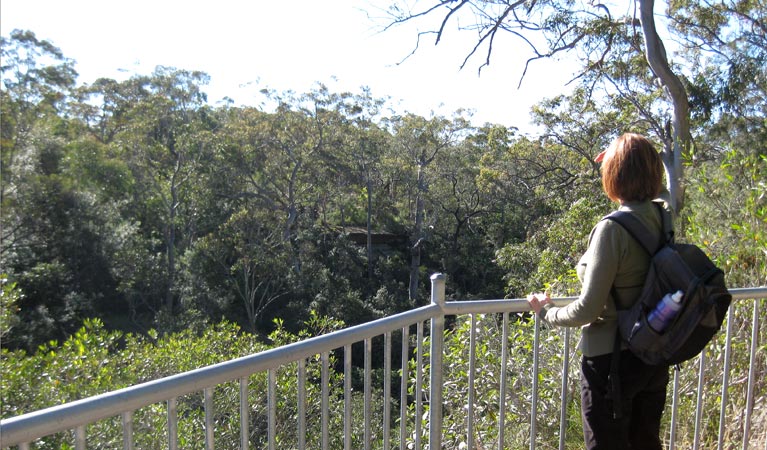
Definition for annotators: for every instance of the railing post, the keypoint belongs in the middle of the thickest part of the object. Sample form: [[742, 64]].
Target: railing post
[[534, 400], [403, 389], [563, 394], [80, 439], [751, 375], [127, 419], [172, 423], [472, 367], [437, 344], [244, 414], [725, 380], [503, 372], [209, 419]]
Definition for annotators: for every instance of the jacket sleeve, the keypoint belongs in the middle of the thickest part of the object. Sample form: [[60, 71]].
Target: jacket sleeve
[[601, 265]]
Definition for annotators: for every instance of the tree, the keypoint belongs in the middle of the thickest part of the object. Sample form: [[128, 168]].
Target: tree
[[727, 45], [165, 146], [551, 28], [9, 299], [36, 79], [104, 106], [290, 161], [461, 207], [418, 142], [356, 160]]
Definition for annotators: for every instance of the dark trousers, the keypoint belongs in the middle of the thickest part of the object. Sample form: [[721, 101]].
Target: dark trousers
[[643, 397]]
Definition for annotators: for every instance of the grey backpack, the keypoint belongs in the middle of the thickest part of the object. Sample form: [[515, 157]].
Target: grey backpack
[[673, 267]]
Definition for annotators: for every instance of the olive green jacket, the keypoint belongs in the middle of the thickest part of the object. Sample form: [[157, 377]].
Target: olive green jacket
[[613, 258]]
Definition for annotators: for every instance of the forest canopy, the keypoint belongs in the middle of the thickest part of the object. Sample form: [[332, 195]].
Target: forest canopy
[[138, 203]]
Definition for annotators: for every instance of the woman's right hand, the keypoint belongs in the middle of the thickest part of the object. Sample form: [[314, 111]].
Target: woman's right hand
[[538, 300]]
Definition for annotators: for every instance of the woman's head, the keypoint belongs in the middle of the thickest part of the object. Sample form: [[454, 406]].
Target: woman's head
[[632, 169]]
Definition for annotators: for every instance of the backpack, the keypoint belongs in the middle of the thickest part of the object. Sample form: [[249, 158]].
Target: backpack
[[673, 267]]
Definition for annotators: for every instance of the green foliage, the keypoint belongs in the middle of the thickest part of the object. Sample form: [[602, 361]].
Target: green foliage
[[518, 395], [9, 299], [548, 257], [94, 361], [134, 205], [728, 214]]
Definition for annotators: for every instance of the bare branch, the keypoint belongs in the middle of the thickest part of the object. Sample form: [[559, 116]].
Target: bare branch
[[417, 45], [491, 35], [399, 19], [446, 18]]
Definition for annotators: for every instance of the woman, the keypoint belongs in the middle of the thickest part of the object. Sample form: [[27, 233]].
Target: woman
[[612, 272]]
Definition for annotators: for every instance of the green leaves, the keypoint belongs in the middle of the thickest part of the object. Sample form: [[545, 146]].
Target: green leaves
[[728, 217], [93, 361], [487, 374], [9, 299]]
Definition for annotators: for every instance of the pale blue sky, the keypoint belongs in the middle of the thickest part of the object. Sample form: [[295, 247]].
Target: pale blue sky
[[248, 45]]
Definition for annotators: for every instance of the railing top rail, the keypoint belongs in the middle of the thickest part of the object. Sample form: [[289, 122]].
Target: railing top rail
[[31, 426], [520, 305], [748, 293], [515, 305]]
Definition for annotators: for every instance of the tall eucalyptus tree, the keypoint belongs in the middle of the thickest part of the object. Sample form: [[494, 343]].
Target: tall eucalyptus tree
[[168, 138], [417, 142], [36, 81], [727, 43], [550, 28]]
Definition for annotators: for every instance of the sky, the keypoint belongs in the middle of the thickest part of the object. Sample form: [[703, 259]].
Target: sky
[[246, 46]]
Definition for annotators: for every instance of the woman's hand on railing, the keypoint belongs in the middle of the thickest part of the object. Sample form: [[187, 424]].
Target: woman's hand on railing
[[538, 300]]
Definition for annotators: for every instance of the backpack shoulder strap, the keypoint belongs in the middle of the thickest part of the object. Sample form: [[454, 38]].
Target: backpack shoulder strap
[[640, 232], [667, 222]]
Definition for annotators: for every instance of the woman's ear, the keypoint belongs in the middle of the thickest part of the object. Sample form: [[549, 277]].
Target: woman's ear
[[600, 156]]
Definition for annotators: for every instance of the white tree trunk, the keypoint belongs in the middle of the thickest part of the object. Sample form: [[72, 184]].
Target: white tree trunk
[[678, 142]]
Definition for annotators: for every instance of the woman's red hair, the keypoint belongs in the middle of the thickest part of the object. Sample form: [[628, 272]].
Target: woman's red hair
[[632, 169]]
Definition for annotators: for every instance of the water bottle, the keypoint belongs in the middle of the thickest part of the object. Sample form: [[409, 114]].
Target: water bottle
[[663, 314]]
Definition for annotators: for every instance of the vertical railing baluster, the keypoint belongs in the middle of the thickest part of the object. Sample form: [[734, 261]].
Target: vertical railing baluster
[[674, 410], [367, 393], [387, 391], [534, 405], [436, 358], [472, 368], [127, 419], [699, 402], [271, 396], [209, 412], [403, 388], [418, 384], [725, 379], [172, 424], [502, 371], [563, 392], [751, 376], [244, 416], [80, 439], [347, 397], [301, 404], [325, 400]]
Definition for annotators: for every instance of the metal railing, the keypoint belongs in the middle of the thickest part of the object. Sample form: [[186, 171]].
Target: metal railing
[[23, 430]]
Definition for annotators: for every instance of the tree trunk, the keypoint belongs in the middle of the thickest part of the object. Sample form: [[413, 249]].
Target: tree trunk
[[171, 239], [369, 186], [171, 252], [677, 142], [415, 250], [290, 231]]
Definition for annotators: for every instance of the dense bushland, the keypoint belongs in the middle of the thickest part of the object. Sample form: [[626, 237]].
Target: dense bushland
[[146, 232]]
